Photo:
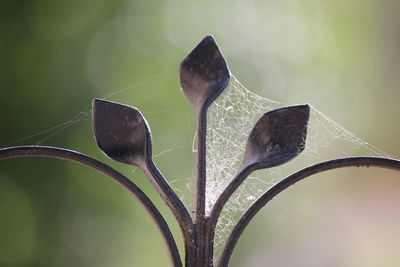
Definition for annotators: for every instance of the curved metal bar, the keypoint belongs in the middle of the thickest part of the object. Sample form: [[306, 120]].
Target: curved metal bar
[[290, 180], [66, 154]]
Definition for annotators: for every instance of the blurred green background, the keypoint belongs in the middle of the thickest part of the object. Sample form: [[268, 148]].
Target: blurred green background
[[55, 56]]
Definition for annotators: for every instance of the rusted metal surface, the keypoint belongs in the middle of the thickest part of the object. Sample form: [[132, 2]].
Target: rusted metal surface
[[123, 134]]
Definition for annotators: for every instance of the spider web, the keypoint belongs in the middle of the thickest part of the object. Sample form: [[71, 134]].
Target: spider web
[[230, 119]]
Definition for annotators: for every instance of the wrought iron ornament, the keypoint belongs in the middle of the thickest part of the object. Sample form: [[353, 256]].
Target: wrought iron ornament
[[123, 134]]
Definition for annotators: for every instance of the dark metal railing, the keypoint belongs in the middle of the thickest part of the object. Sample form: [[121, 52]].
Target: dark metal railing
[[123, 134]]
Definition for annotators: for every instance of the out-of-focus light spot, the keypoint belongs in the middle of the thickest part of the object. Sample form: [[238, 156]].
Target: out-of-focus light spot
[[52, 20], [17, 227]]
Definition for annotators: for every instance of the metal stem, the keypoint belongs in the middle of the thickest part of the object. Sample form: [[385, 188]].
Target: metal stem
[[201, 186], [221, 201], [290, 180], [204, 246], [66, 154], [175, 204]]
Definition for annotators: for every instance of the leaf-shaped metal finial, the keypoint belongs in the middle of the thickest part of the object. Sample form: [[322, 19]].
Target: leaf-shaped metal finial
[[121, 132], [278, 137], [204, 73]]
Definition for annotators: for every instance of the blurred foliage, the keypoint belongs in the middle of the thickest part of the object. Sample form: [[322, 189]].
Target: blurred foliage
[[340, 56]]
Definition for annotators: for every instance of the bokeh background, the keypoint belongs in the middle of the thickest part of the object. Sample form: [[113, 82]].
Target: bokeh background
[[55, 56]]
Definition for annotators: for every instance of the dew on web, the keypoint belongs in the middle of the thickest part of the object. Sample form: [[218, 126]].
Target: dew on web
[[230, 119]]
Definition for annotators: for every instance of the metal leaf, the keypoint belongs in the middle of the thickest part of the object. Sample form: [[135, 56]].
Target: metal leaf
[[204, 73], [278, 137], [121, 132]]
